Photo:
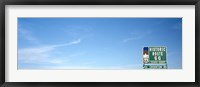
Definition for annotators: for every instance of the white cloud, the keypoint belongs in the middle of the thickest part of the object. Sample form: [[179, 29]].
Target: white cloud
[[130, 39], [42, 54], [78, 31], [136, 36], [177, 26], [75, 42], [27, 35], [56, 61], [67, 44]]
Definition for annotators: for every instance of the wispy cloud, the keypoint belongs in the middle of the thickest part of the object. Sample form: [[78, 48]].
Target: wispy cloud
[[66, 44], [131, 39], [75, 42], [42, 54], [177, 26], [56, 61], [77, 31], [136, 36], [27, 35]]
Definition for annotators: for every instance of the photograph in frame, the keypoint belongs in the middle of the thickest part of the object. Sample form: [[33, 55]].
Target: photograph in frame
[[99, 43], [69, 44], [90, 39]]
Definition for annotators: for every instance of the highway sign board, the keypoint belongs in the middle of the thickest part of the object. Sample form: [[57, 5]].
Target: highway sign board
[[155, 56]]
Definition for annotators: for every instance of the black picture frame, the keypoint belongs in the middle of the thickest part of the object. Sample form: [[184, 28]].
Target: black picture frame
[[3, 3]]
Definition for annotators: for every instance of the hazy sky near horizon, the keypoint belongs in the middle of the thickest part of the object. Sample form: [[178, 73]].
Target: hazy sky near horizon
[[96, 43]]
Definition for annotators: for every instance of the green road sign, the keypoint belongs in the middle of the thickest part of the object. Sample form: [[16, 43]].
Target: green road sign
[[157, 55], [154, 56]]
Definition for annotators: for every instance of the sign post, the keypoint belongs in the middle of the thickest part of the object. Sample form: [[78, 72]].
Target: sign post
[[154, 58]]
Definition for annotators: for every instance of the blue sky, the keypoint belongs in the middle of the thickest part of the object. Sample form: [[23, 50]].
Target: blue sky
[[96, 43]]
